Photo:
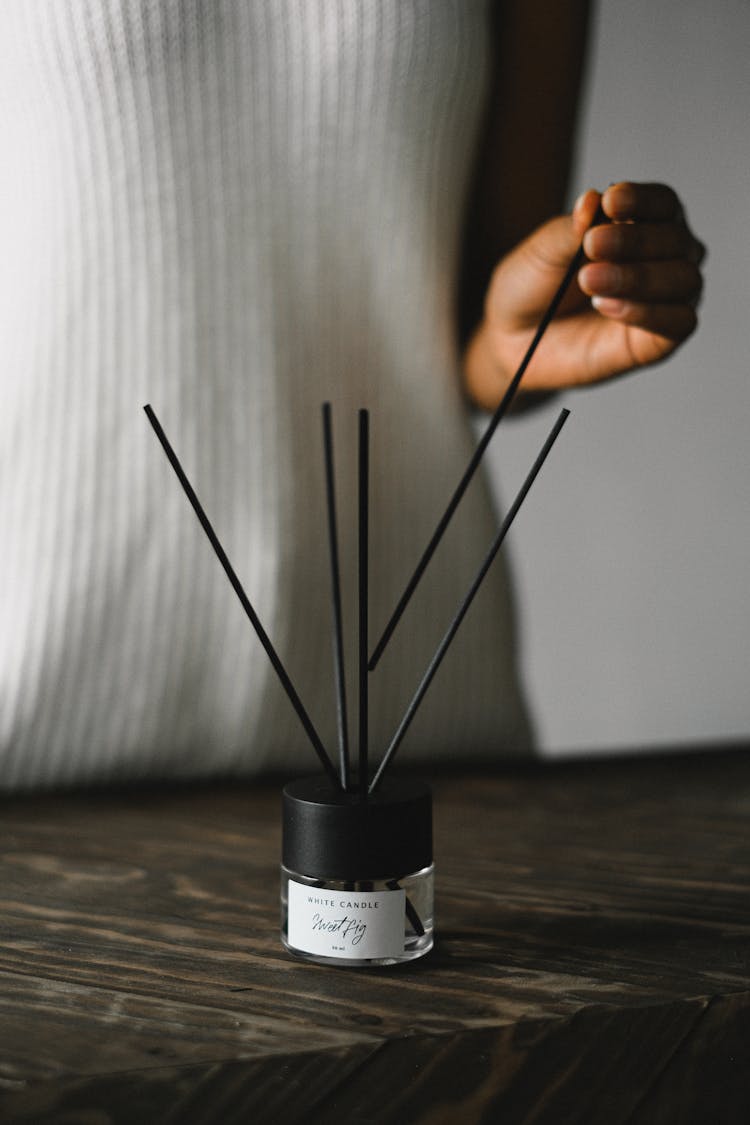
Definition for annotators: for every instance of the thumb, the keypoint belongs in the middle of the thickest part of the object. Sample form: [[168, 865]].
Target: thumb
[[528, 278], [584, 211], [554, 244]]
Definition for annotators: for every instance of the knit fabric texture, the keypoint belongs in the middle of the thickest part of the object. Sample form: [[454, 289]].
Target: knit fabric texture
[[233, 210]]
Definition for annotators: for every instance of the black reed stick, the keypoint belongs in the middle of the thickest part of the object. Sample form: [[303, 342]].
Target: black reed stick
[[473, 465], [363, 509], [338, 636], [263, 637], [463, 608]]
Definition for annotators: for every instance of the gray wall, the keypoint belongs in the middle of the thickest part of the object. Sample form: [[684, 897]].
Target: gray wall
[[632, 556]]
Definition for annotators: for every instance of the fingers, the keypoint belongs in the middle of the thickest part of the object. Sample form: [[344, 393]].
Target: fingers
[[644, 265], [628, 201], [647, 220], [668, 321], [634, 241], [674, 280]]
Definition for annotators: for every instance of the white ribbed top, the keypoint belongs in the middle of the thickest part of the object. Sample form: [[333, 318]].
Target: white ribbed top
[[232, 210]]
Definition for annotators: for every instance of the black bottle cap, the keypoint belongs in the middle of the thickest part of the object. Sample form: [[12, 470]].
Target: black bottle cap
[[329, 834]]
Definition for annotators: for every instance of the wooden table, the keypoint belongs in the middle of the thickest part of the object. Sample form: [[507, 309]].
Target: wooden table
[[593, 961]]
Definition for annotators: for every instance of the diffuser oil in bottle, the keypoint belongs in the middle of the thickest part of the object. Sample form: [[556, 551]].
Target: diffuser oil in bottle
[[357, 873]]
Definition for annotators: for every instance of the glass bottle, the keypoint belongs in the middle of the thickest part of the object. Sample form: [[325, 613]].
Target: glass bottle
[[357, 873]]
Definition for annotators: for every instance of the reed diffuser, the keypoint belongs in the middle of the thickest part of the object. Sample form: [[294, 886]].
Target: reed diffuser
[[357, 869]]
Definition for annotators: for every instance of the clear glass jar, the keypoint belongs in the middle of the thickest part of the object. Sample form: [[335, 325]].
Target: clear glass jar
[[339, 904], [364, 923]]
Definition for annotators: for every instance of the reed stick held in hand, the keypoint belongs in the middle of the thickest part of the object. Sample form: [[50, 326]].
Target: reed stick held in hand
[[479, 452]]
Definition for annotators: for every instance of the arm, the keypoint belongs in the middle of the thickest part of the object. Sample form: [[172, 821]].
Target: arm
[[526, 145], [631, 305]]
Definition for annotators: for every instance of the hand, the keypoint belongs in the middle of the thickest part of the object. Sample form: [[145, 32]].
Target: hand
[[632, 303]]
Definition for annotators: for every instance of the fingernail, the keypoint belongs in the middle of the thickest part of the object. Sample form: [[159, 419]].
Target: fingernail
[[608, 306]]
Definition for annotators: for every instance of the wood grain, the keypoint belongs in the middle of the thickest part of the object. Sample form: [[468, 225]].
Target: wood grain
[[592, 962]]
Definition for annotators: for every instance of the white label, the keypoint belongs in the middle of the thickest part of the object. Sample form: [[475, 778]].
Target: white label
[[347, 924]]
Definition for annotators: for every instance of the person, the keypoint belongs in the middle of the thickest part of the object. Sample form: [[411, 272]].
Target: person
[[235, 212]]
